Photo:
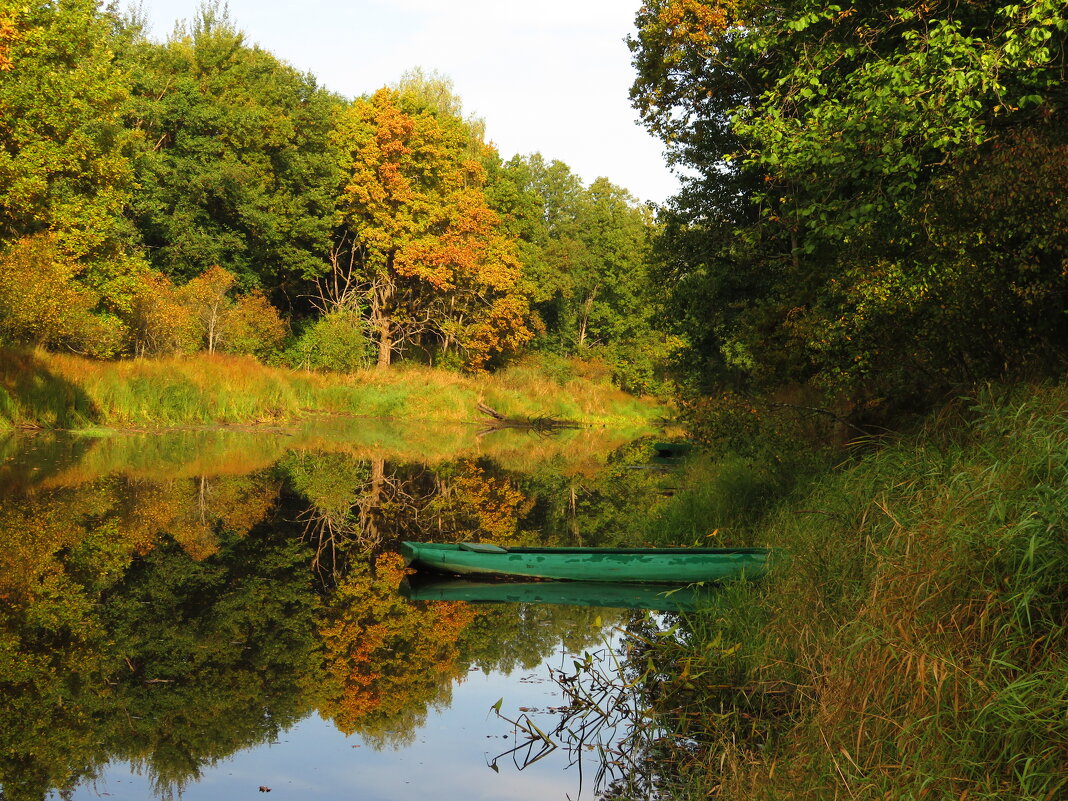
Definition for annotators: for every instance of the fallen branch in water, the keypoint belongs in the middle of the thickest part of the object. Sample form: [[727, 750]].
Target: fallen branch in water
[[542, 425]]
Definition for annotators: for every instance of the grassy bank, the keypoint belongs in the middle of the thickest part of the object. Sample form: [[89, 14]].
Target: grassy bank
[[912, 643], [39, 389]]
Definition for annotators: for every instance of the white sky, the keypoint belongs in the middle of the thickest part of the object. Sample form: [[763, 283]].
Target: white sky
[[549, 76]]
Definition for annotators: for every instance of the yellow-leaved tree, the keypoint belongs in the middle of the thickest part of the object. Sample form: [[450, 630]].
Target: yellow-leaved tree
[[202, 315], [42, 303], [418, 242]]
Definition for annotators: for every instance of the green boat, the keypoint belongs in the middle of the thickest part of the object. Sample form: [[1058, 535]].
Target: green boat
[[657, 565], [656, 597]]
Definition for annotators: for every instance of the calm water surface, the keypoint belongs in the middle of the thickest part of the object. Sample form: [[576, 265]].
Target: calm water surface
[[448, 757], [202, 614]]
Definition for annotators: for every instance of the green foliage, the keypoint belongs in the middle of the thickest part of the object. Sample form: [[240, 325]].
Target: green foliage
[[65, 176], [586, 256], [117, 644], [62, 143], [238, 629], [236, 167], [944, 81], [640, 365], [723, 502], [336, 342], [840, 232]]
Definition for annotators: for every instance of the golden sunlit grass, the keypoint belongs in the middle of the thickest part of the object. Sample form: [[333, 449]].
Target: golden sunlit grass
[[45, 390]]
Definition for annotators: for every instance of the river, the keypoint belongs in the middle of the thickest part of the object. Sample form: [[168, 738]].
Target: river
[[216, 614]]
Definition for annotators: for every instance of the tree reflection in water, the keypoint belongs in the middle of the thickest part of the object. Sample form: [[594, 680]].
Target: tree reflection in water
[[171, 620]]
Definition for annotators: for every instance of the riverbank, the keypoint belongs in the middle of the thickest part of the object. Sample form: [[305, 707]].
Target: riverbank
[[54, 391], [911, 644]]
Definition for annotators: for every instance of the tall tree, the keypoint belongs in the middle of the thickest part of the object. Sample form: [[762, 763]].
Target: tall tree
[[63, 147], [418, 237], [237, 168], [586, 256], [824, 239]]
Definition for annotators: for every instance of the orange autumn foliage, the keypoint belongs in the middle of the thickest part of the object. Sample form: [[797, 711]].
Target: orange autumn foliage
[[432, 255], [695, 23], [387, 659], [9, 34], [165, 319], [159, 321]]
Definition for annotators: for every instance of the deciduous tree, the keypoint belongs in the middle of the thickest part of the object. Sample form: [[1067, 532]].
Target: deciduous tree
[[43, 303], [430, 254], [64, 165], [821, 241], [236, 168]]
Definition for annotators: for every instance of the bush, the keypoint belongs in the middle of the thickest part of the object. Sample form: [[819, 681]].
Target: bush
[[252, 326], [160, 323], [42, 303], [336, 342]]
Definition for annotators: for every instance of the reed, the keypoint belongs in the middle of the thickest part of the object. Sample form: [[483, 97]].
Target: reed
[[725, 499], [44, 390], [912, 642]]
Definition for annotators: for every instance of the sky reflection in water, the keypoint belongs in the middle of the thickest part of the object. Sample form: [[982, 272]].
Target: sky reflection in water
[[449, 759]]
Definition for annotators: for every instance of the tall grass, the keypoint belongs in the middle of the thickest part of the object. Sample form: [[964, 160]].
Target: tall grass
[[912, 643], [725, 498], [60, 391]]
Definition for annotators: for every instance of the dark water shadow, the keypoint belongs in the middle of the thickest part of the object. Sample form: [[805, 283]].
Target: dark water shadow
[[29, 459]]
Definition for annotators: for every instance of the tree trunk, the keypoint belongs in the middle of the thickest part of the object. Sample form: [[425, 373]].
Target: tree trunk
[[385, 343], [381, 292], [370, 504], [584, 319]]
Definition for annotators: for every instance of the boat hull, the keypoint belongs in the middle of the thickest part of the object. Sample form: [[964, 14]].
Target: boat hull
[[655, 565]]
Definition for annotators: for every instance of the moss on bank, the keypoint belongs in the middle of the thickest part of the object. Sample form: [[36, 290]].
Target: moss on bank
[[911, 644], [40, 389]]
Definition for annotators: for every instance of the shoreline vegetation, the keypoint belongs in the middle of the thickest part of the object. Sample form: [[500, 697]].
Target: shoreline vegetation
[[45, 390], [910, 645]]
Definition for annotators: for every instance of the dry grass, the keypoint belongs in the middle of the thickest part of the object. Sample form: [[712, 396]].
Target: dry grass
[[46, 390]]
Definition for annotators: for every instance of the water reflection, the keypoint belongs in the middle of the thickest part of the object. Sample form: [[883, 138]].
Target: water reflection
[[171, 601], [655, 597]]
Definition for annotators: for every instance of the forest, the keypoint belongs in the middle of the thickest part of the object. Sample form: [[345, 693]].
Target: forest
[[872, 213], [875, 214], [200, 195]]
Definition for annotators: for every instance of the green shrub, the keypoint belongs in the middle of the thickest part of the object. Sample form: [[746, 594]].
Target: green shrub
[[337, 342]]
